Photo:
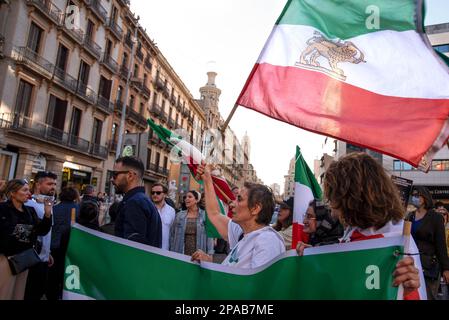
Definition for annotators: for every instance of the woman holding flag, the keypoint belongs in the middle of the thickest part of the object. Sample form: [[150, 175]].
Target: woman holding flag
[[252, 241], [366, 201]]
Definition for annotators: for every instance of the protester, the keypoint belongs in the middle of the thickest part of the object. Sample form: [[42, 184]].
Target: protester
[[429, 233], [44, 189], [166, 212], [138, 219], [110, 226], [62, 218], [101, 197], [367, 203], [441, 209], [252, 240], [188, 231], [322, 228], [19, 228], [89, 214], [284, 223], [89, 194]]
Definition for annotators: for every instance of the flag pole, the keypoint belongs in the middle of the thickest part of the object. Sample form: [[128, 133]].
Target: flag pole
[[229, 118], [406, 232]]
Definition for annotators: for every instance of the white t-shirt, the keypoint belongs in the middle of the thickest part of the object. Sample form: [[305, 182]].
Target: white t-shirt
[[255, 249], [46, 240], [167, 214]]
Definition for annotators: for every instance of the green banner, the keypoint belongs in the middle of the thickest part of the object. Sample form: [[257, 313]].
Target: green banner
[[99, 266]]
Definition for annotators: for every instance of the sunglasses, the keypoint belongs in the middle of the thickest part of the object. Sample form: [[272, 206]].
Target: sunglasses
[[309, 216], [115, 174], [157, 192]]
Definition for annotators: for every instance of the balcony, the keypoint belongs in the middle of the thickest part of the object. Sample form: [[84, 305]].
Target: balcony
[[155, 109], [112, 146], [148, 64], [65, 80], [139, 54], [163, 116], [92, 47], [190, 120], [136, 117], [31, 59], [159, 84], [179, 106], [48, 9], [29, 127], [110, 63], [115, 29], [98, 10], [85, 93], [124, 72], [124, 2], [118, 107], [98, 150], [173, 100], [129, 41], [171, 123], [105, 105], [137, 83], [163, 171], [146, 91], [76, 34]]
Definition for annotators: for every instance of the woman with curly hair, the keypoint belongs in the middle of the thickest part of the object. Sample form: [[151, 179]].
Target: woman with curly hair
[[367, 203]]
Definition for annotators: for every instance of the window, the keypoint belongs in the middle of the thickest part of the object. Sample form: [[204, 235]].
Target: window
[[440, 165], [131, 102], [141, 110], [62, 57], [90, 30], [148, 159], [108, 51], [75, 122], [23, 100], [83, 75], [57, 110], [34, 37], [145, 76], [157, 160], [136, 71], [165, 162], [114, 14], [114, 131], [104, 89], [96, 132], [401, 166], [125, 60], [119, 93]]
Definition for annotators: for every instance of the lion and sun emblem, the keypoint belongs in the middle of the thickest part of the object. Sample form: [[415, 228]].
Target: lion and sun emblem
[[335, 52]]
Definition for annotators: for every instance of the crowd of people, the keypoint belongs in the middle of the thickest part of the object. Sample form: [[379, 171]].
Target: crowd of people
[[362, 203]]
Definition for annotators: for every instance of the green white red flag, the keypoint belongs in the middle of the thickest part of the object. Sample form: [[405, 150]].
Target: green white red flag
[[306, 189], [193, 157], [362, 71]]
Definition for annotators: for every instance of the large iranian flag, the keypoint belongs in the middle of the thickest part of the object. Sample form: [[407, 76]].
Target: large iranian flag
[[361, 71], [306, 189]]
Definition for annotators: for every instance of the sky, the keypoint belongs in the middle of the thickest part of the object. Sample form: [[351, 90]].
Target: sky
[[227, 37]]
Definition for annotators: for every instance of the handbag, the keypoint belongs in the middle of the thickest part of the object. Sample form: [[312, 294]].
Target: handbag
[[23, 261]]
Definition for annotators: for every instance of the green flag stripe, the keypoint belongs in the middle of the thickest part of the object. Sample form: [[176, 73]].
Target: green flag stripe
[[112, 270], [347, 19], [305, 176]]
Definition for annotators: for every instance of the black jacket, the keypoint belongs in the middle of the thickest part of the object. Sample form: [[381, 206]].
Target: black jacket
[[138, 219], [430, 238], [19, 230]]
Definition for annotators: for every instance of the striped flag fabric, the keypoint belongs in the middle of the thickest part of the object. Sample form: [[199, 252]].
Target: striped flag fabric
[[118, 269], [306, 189], [193, 158], [361, 71]]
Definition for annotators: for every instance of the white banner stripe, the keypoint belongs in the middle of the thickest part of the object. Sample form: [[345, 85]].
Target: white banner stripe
[[397, 64]]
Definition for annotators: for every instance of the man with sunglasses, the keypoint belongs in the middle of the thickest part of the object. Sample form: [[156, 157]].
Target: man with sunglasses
[[166, 212], [137, 217]]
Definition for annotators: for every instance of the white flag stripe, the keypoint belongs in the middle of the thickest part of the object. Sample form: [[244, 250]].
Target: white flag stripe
[[303, 196]]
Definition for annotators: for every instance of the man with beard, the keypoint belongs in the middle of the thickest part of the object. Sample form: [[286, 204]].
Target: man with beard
[[166, 212], [44, 190], [137, 219]]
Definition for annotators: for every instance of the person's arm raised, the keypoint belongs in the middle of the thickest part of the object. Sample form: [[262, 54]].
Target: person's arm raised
[[219, 221]]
